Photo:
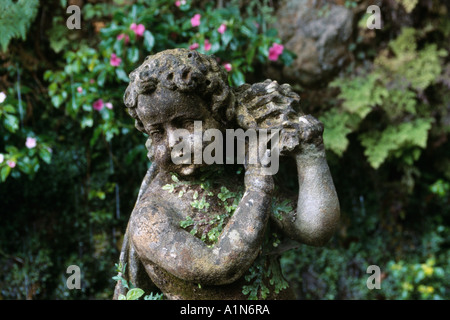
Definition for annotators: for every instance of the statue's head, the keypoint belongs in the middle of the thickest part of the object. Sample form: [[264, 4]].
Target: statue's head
[[170, 91]]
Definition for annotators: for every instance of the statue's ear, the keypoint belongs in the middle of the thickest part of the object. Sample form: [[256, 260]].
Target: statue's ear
[[130, 96]]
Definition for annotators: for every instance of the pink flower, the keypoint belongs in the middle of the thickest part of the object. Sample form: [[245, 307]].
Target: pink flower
[[125, 37], [80, 89], [222, 28], [92, 81], [195, 20], [138, 29], [98, 105], [194, 46], [109, 105], [115, 61], [30, 143], [180, 3], [207, 45], [11, 163], [227, 66], [275, 51]]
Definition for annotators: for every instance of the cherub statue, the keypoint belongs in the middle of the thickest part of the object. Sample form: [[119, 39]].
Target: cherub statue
[[209, 231]]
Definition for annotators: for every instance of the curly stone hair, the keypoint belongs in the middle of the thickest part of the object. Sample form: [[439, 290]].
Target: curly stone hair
[[186, 71]]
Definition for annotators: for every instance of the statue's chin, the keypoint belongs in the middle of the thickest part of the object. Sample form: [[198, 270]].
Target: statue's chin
[[187, 169]]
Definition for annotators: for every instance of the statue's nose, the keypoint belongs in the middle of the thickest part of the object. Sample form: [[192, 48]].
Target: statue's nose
[[172, 137]]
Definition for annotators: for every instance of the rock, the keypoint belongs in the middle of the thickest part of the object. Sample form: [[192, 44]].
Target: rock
[[318, 34]]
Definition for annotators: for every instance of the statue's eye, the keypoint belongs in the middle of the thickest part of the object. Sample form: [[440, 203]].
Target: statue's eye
[[156, 133], [188, 123]]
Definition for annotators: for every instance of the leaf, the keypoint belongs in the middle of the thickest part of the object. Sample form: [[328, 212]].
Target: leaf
[[58, 37], [360, 94], [16, 18], [57, 100], [149, 40], [9, 109], [395, 140], [45, 155], [336, 130], [87, 122], [227, 36], [121, 74], [122, 297], [101, 78], [133, 54], [11, 123], [134, 294], [169, 187], [187, 222], [5, 172], [237, 78]]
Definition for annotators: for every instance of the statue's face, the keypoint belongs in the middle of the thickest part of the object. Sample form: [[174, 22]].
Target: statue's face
[[163, 113]]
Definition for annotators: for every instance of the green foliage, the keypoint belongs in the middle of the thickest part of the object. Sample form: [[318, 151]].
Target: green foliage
[[335, 272], [26, 274], [417, 281], [399, 75], [257, 289], [265, 274], [440, 188], [133, 293], [278, 208], [409, 5], [404, 140], [211, 223], [336, 130], [16, 17]]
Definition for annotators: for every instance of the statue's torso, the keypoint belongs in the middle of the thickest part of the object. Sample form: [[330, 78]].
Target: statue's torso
[[183, 210]]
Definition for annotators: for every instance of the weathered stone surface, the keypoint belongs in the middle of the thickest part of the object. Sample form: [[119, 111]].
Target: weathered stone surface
[[318, 32], [168, 245]]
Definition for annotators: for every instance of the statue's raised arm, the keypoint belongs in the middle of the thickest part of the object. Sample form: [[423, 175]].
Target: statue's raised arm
[[268, 105]]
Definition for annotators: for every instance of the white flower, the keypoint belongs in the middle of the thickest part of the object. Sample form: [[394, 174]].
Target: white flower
[[2, 97], [2, 157], [30, 143]]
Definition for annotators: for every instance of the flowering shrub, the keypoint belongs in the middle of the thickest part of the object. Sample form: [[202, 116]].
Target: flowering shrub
[[23, 150], [64, 125]]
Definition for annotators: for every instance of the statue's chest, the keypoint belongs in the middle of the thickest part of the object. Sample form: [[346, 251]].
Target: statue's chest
[[203, 208]]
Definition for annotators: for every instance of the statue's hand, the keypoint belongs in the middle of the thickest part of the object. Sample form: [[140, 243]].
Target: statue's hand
[[268, 105], [310, 130], [303, 131]]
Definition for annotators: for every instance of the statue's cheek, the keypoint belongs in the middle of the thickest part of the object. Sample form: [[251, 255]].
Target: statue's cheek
[[161, 153]]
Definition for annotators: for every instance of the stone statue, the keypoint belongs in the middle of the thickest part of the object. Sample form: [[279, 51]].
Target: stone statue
[[215, 231]]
